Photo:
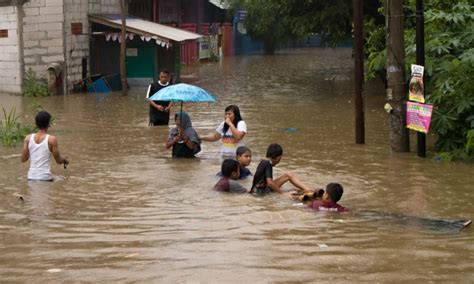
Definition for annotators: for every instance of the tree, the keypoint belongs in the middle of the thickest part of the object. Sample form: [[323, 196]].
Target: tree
[[449, 70], [276, 21], [399, 139]]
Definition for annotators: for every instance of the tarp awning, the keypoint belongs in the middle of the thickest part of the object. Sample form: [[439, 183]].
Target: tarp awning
[[222, 4], [144, 28]]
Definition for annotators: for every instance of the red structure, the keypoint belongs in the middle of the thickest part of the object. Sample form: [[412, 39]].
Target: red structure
[[189, 49], [192, 15]]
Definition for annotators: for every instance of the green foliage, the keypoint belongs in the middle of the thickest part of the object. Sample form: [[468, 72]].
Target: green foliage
[[449, 69], [12, 131], [33, 87], [276, 21]]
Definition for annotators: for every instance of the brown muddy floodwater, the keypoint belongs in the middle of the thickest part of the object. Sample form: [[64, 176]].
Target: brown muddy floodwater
[[125, 211]]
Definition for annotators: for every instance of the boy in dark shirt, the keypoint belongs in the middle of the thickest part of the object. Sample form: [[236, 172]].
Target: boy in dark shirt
[[263, 181], [331, 196], [228, 183]]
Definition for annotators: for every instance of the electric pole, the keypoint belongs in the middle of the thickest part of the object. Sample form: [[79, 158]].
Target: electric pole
[[359, 70], [123, 45], [396, 90]]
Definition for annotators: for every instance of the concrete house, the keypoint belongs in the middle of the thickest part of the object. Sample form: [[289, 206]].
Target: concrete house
[[57, 34]]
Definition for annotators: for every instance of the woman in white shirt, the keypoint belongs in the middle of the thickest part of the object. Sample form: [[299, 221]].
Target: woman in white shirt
[[231, 131]]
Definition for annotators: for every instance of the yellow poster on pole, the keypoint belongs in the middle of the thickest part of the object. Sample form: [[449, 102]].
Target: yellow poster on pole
[[416, 87]]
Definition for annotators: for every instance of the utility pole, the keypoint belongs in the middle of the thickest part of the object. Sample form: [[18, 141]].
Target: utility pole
[[123, 45], [358, 14], [420, 60], [396, 91]]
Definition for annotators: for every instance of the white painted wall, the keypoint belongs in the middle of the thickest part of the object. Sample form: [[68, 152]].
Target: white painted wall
[[77, 46], [46, 26], [42, 34], [10, 67], [104, 6]]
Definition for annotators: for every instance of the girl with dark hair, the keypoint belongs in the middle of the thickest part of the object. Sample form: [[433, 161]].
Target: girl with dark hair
[[231, 131]]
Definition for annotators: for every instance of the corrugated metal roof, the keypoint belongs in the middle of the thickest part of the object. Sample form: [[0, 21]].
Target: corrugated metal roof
[[146, 28]]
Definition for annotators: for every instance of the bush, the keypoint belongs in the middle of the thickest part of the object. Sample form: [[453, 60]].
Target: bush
[[33, 86], [12, 131]]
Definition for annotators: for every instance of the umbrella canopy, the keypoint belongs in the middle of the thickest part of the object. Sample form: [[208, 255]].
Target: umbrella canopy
[[183, 93]]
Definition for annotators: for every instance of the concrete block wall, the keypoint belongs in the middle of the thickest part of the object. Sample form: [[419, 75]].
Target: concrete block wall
[[43, 40], [77, 46], [104, 6], [10, 55], [37, 33]]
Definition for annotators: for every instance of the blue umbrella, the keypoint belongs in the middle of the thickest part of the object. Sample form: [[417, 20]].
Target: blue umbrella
[[183, 93]]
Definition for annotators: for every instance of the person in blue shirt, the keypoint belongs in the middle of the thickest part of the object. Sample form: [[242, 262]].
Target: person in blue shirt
[[244, 157]]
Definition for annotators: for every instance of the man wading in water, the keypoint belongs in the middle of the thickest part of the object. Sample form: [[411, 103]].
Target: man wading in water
[[37, 147], [159, 110]]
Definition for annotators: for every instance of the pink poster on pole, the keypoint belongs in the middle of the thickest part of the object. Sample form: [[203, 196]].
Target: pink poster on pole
[[419, 116]]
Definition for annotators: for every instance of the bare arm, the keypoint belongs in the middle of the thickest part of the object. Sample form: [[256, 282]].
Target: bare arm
[[180, 137], [171, 142], [211, 138], [239, 135], [169, 106], [53, 146], [25, 152], [157, 106]]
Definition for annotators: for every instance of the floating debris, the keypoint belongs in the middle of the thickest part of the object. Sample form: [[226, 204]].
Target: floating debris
[[290, 129]]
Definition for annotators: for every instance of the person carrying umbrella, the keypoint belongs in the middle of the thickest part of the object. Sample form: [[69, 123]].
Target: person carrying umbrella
[[183, 138], [159, 110]]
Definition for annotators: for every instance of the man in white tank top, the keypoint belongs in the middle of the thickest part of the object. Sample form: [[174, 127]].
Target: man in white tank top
[[37, 147]]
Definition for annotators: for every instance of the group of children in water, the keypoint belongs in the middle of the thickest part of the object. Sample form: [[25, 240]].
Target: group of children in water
[[185, 143]]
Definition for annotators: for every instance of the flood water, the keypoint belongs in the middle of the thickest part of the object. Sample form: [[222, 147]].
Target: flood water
[[125, 211]]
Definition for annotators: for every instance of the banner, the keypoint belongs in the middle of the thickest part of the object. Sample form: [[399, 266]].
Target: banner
[[416, 87], [419, 116]]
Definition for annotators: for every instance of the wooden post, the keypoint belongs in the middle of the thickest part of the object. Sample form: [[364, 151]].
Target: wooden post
[[359, 70], [396, 91], [177, 61], [123, 45], [420, 60]]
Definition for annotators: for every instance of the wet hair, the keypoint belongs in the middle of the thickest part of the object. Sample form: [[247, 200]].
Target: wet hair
[[274, 151], [334, 191], [242, 150], [229, 166], [42, 119], [237, 117]]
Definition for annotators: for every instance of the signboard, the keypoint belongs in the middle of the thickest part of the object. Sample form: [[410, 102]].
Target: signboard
[[204, 49], [131, 52], [241, 15], [419, 116], [416, 86]]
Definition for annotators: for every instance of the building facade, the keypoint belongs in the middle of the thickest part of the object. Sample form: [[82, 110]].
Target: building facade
[[37, 33]]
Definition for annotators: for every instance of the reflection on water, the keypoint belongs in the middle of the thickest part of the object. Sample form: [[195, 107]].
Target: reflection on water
[[124, 210]]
